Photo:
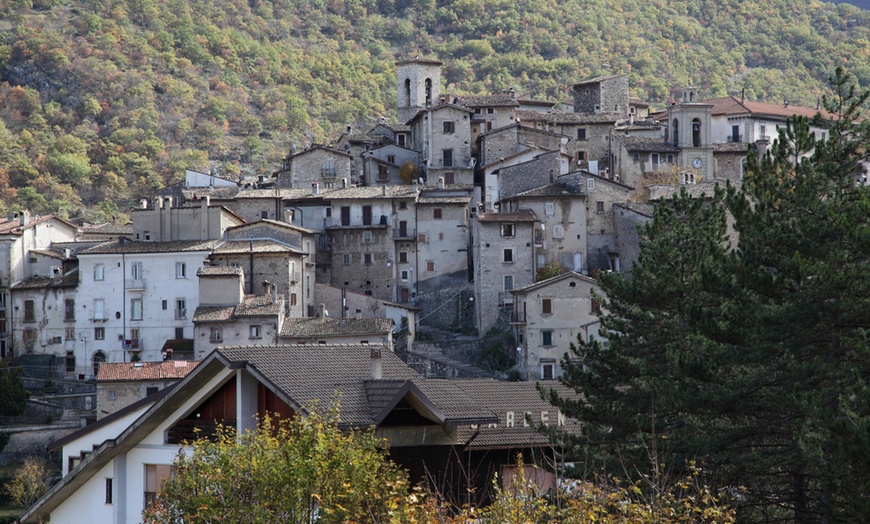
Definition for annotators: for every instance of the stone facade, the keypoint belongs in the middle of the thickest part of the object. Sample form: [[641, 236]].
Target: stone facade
[[542, 170], [628, 218], [418, 86], [163, 222], [506, 141], [382, 165], [442, 136], [504, 259], [442, 241], [607, 94], [548, 317], [321, 165], [589, 134]]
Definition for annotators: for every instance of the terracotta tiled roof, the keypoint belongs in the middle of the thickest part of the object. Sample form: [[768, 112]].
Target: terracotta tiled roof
[[251, 306], [313, 327], [14, 226], [320, 146], [644, 144], [134, 371], [69, 280], [273, 193], [133, 246], [731, 105], [458, 199], [372, 193], [564, 117], [213, 314], [523, 215]]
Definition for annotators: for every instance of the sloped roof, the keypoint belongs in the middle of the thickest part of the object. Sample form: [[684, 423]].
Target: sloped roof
[[242, 246], [518, 398], [598, 79], [251, 306], [644, 144], [327, 326], [732, 106], [14, 227], [132, 247], [564, 117], [553, 280], [217, 271], [71, 279], [732, 147], [107, 228], [554, 190], [501, 100], [523, 215], [142, 371]]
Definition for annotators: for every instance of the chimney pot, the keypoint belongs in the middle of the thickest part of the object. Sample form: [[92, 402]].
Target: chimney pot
[[377, 364]]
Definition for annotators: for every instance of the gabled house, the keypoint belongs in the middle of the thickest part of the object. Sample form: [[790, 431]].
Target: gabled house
[[544, 169], [333, 330], [165, 221], [121, 384], [492, 184], [550, 315], [437, 429], [442, 136], [589, 133], [396, 133], [515, 138], [318, 164], [355, 144], [491, 112], [383, 164]]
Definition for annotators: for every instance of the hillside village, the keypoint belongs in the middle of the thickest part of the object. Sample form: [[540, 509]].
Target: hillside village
[[461, 242]]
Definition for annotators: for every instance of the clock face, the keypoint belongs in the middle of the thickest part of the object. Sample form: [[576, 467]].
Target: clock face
[[696, 162]]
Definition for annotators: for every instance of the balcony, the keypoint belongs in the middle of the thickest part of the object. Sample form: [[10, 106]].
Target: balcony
[[404, 234], [735, 138], [181, 313], [505, 298], [327, 173], [518, 317], [133, 344], [190, 430], [134, 284]]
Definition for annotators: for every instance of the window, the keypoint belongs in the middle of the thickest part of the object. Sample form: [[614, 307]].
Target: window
[[548, 371], [69, 310], [447, 158], [292, 299], [490, 110], [150, 390], [345, 215], [136, 309], [367, 215], [179, 333], [29, 336], [391, 159], [404, 274], [136, 271], [440, 236], [654, 160], [599, 206], [507, 230], [558, 231], [763, 132], [367, 237], [508, 282], [449, 178], [109, 491], [100, 333], [263, 215], [581, 157], [216, 335], [99, 309], [69, 334], [99, 357], [636, 157], [382, 172], [70, 362], [367, 259], [430, 265], [436, 213], [164, 305], [147, 235], [400, 140], [670, 158], [546, 306], [403, 257], [345, 259], [581, 133], [255, 331], [508, 255], [590, 184], [403, 205], [155, 476], [448, 127], [328, 169], [29, 311], [549, 209], [180, 308], [99, 272], [546, 338], [421, 238]]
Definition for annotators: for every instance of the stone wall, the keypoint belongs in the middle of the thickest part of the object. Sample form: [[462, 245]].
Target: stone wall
[[360, 258], [448, 305], [529, 175]]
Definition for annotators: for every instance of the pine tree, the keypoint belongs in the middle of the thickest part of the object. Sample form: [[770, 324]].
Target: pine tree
[[752, 358]]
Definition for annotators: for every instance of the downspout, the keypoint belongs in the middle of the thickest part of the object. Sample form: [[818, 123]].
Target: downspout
[[123, 308], [251, 267]]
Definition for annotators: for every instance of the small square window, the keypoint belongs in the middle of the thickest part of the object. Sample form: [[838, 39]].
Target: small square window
[[546, 306], [216, 335], [179, 333], [255, 331], [345, 259], [590, 184], [507, 230], [367, 259], [548, 371], [436, 213], [430, 265], [99, 333], [448, 127], [599, 207], [581, 134], [403, 257], [508, 255], [546, 338]]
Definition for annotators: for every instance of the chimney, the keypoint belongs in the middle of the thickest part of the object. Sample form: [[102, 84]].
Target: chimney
[[344, 183], [158, 203], [785, 103], [11, 216], [322, 309], [440, 182], [168, 202], [206, 201], [267, 287], [377, 364], [288, 216], [384, 190], [24, 218], [67, 252], [143, 204], [818, 103], [314, 188]]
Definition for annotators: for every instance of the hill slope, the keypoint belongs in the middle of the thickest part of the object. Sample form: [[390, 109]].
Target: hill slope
[[103, 101]]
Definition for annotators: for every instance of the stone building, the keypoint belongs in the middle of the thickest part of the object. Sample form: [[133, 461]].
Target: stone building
[[355, 144], [397, 133], [442, 136], [550, 315], [689, 128], [589, 133], [382, 165], [514, 138], [605, 94], [227, 316], [122, 384], [319, 164], [163, 221], [640, 161], [540, 171], [561, 235], [418, 86], [277, 253], [492, 170], [491, 112], [331, 330], [442, 240], [504, 259], [259, 204], [358, 305]]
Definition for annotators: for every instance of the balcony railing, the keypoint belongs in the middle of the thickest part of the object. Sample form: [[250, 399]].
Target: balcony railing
[[181, 313], [131, 343], [505, 298], [134, 283], [518, 317], [407, 233], [735, 138]]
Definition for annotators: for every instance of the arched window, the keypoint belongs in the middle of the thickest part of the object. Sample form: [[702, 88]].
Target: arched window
[[99, 356], [696, 133], [676, 135], [428, 91]]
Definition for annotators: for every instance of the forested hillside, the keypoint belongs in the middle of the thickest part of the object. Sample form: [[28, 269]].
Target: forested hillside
[[103, 102]]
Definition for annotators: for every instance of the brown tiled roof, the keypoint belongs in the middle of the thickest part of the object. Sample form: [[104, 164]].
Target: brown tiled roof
[[108, 228], [667, 192], [644, 144], [370, 192], [251, 306], [323, 374], [240, 246], [273, 193], [523, 215], [518, 398], [134, 371], [314, 327], [320, 146], [211, 271], [731, 105], [457, 199], [14, 226], [598, 79], [50, 253], [69, 280], [564, 117], [732, 147], [500, 100], [213, 313], [366, 138], [552, 280], [132, 246], [428, 61]]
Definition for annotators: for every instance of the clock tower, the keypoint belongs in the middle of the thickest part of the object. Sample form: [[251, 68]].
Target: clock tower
[[689, 129]]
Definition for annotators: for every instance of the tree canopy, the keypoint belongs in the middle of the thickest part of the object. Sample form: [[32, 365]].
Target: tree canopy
[[741, 338]]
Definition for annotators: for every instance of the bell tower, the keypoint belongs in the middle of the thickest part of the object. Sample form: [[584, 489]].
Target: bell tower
[[419, 86], [689, 122]]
